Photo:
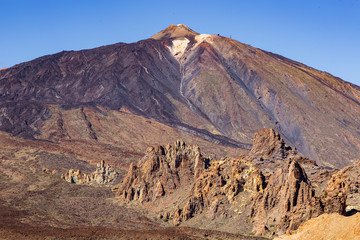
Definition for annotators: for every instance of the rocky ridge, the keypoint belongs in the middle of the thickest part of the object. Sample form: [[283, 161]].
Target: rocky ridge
[[270, 179]]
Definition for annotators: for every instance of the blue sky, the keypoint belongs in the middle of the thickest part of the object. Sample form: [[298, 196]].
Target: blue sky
[[324, 34]]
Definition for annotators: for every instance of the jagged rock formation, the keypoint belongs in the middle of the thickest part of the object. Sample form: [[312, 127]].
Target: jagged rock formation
[[217, 188], [166, 169], [269, 153], [267, 142], [269, 150], [347, 182], [102, 175], [282, 194], [161, 171], [288, 191], [289, 200]]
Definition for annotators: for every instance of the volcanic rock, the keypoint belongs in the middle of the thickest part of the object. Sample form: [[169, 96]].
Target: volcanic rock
[[102, 175], [218, 187], [289, 200], [270, 152], [214, 184], [267, 142], [174, 31], [346, 182], [270, 180], [161, 171]]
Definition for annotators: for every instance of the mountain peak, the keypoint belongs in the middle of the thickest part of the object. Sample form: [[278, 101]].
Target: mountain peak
[[175, 31]]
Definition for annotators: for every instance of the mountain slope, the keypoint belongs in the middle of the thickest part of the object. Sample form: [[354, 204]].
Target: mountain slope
[[209, 86]]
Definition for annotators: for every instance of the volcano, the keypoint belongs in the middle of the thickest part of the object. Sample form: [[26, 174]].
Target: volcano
[[208, 86], [62, 114]]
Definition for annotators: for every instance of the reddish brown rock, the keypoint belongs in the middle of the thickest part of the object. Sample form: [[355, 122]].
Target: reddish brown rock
[[267, 142], [288, 191], [270, 180], [102, 175], [213, 185], [114, 100], [346, 182], [289, 200], [270, 152], [161, 171], [218, 187]]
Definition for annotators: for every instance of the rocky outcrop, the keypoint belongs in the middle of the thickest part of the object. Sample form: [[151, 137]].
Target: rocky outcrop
[[269, 185], [217, 188], [346, 182], [267, 142], [289, 200], [161, 171], [102, 175], [214, 185], [269, 151]]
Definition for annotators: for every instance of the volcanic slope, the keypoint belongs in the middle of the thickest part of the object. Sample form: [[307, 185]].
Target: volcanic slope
[[208, 86]]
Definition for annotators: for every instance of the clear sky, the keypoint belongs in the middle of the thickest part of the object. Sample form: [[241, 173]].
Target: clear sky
[[324, 34]]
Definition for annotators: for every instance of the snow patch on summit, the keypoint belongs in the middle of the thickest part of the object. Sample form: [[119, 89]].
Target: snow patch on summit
[[203, 37], [178, 47]]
